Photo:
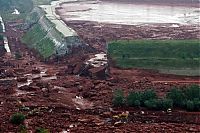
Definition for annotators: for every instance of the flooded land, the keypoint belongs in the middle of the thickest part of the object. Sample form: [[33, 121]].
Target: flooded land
[[126, 66], [128, 13]]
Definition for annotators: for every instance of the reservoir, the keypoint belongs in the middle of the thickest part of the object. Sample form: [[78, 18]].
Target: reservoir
[[127, 13]]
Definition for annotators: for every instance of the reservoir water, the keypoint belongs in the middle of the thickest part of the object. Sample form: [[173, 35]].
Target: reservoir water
[[127, 13]]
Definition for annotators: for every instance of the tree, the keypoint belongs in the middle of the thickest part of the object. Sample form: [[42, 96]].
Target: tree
[[118, 98], [192, 92], [148, 95], [17, 118], [177, 96], [134, 99]]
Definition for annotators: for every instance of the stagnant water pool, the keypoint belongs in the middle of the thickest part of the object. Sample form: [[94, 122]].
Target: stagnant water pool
[[126, 13]]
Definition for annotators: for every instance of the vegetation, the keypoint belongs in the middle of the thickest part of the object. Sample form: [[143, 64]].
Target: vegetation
[[1, 27], [1, 37], [1, 30], [158, 104], [177, 96], [42, 130], [23, 129], [134, 99], [18, 55], [8, 6], [163, 55], [148, 95], [118, 98], [36, 38], [187, 98], [17, 118]]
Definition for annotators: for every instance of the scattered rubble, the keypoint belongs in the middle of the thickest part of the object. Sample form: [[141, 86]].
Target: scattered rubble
[[74, 94]]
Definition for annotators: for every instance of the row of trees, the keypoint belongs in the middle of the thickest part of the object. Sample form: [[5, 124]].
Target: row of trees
[[187, 98]]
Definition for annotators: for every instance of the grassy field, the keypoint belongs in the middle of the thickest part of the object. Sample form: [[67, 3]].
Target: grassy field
[[180, 57], [36, 38]]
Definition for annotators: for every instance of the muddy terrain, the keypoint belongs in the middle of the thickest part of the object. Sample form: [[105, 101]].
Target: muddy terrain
[[65, 95], [53, 96], [99, 34]]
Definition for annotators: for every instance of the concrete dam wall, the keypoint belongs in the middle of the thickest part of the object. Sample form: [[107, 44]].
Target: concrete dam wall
[[48, 34]]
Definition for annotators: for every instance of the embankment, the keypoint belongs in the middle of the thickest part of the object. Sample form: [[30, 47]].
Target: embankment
[[45, 36], [186, 3]]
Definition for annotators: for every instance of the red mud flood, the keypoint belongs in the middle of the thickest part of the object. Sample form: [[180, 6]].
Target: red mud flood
[[81, 104], [61, 100]]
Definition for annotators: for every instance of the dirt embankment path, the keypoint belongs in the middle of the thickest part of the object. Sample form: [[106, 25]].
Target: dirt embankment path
[[184, 3]]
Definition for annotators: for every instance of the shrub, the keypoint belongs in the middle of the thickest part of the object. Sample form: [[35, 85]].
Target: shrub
[[151, 104], [196, 104], [148, 95], [42, 130], [118, 98], [190, 105], [177, 96], [192, 92], [134, 99], [137, 103], [22, 129], [164, 104], [17, 118], [17, 55], [1, 37]]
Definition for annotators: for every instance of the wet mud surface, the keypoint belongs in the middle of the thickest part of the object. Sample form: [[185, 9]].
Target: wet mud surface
[[59, 96], [51, 96]]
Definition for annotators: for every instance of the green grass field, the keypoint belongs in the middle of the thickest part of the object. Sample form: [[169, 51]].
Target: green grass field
[[36, 38], [181, 57]]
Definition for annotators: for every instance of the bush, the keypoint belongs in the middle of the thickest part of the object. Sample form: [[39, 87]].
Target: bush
[[151, 104], [193, 105], [148, 95], [177, 96], [192, 92], [18, 56], [137, 103], [134, 99], [118, 98], [164, 104], [23, 129], [1, 37], [190, 105], [42, 130], [188, 98], [196, 104], [17, 118]]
